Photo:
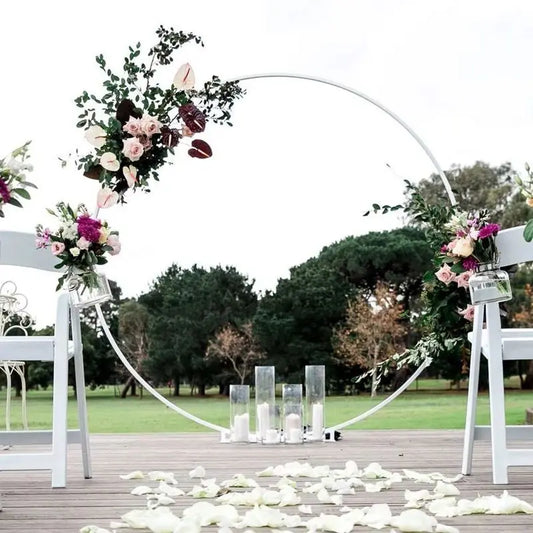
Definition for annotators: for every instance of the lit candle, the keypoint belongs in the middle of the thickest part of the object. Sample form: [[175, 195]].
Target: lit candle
[[317, 423], [263, 420], [241, 428], [293, 428]]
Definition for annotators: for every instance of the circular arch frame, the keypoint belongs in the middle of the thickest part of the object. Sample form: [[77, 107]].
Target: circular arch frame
[[225, 431]]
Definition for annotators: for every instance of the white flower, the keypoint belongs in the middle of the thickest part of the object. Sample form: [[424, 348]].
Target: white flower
[[106, 198], [74, 252], [150, 125], [83, 243], [70, 231], [109, 161], [96, 136], [130, 173], [184, 78]]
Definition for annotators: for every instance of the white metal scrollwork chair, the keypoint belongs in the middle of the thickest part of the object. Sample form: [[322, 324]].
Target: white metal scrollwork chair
[[498, 344], [18, 249]]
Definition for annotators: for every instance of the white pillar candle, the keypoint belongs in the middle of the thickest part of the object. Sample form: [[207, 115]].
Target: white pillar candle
[[317, 423], [293, 428], [241, 428], [263, 420], [272, 436]]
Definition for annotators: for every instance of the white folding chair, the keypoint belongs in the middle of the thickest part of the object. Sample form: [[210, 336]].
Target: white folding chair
[[18, 249], [498, 344]]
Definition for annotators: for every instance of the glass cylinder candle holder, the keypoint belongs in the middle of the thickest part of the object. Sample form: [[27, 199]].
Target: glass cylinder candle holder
[[239, 397], [265, 405], [292, 414], [315, 393]]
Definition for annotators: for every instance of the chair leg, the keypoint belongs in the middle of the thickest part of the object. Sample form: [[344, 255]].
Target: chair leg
[[496, 398], [80, 393], [473, 386], [59, 422]]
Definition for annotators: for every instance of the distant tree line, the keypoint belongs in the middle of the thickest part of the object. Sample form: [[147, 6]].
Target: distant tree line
[[348, 308]]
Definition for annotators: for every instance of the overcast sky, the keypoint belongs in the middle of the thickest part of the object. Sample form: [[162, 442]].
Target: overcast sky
[[303, 160]]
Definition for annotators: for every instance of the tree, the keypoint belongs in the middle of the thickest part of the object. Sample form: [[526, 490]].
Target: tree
[[187, 307], [237, 347], [132, 328], [372, 332]]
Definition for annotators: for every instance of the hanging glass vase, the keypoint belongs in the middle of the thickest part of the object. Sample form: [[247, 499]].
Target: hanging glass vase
[[489, 284], [86, 289]]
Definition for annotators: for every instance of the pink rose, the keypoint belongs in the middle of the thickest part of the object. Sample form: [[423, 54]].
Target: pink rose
[[83, 243], [113, 241], [133, 149], [462, 279], [133, 126], [445, 274], [57, 248], [150, 125], [467, 313]]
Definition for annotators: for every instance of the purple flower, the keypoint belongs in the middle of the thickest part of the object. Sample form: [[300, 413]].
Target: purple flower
[[4, 191], [488, 230], [89, 228], [469, 263]]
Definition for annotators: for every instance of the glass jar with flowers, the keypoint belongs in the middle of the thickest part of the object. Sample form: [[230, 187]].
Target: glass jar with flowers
[[472, 256], [80, 243]]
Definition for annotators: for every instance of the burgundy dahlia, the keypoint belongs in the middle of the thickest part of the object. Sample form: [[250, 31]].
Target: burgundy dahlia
[[89, 228], [4, 191]]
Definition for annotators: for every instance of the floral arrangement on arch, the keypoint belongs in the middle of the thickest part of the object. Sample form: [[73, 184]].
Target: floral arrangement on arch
[[136, 124], [80, 243], [13, 182]]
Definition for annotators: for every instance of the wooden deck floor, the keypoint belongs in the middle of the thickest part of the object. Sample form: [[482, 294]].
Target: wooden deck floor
[[29, 504]]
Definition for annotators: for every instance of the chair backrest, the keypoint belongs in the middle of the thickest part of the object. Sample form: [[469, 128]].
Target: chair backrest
[[512, 246], [19, 249]]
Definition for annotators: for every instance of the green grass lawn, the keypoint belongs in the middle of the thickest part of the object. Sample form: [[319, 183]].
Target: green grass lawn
[[432, 406]]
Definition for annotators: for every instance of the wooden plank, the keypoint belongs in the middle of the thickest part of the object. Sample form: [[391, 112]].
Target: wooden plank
[[29, 504]]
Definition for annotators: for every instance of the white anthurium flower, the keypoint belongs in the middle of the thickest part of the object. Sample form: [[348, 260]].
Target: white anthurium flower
[[446, 489], [324, 496], [96, 135], [239, 480], [94, 529], [165, 488], [158, 475], [109, 161], [443, 507], [378, 516], [199, 471], [414, 520], [141, 490], [184, 78], [106, 198], [130, 174], [305, 509]]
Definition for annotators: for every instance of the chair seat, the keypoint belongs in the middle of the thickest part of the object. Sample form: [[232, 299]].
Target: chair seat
[[517, 343], [30, 348]]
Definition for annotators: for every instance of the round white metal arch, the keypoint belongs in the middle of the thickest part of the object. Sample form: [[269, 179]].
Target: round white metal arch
[[424, 364]]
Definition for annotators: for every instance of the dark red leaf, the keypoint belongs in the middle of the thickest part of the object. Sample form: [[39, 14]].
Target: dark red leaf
[[200, 149], [94, 172], [194, 119]]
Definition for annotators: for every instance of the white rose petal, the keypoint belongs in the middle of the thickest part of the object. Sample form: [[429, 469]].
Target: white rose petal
[[378, 516], [238, 480], [305, 509], [118, 525], [414, 520], [158, 475], [443, 507], [93, 529], [141, 490], [187, 525], [446, 489], [136, 474], [170, 491], [199, 471]]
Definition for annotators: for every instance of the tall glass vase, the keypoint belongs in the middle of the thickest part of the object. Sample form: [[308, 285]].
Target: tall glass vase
[[315, 393], [292, 413], [265, 405], [239, 397]]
